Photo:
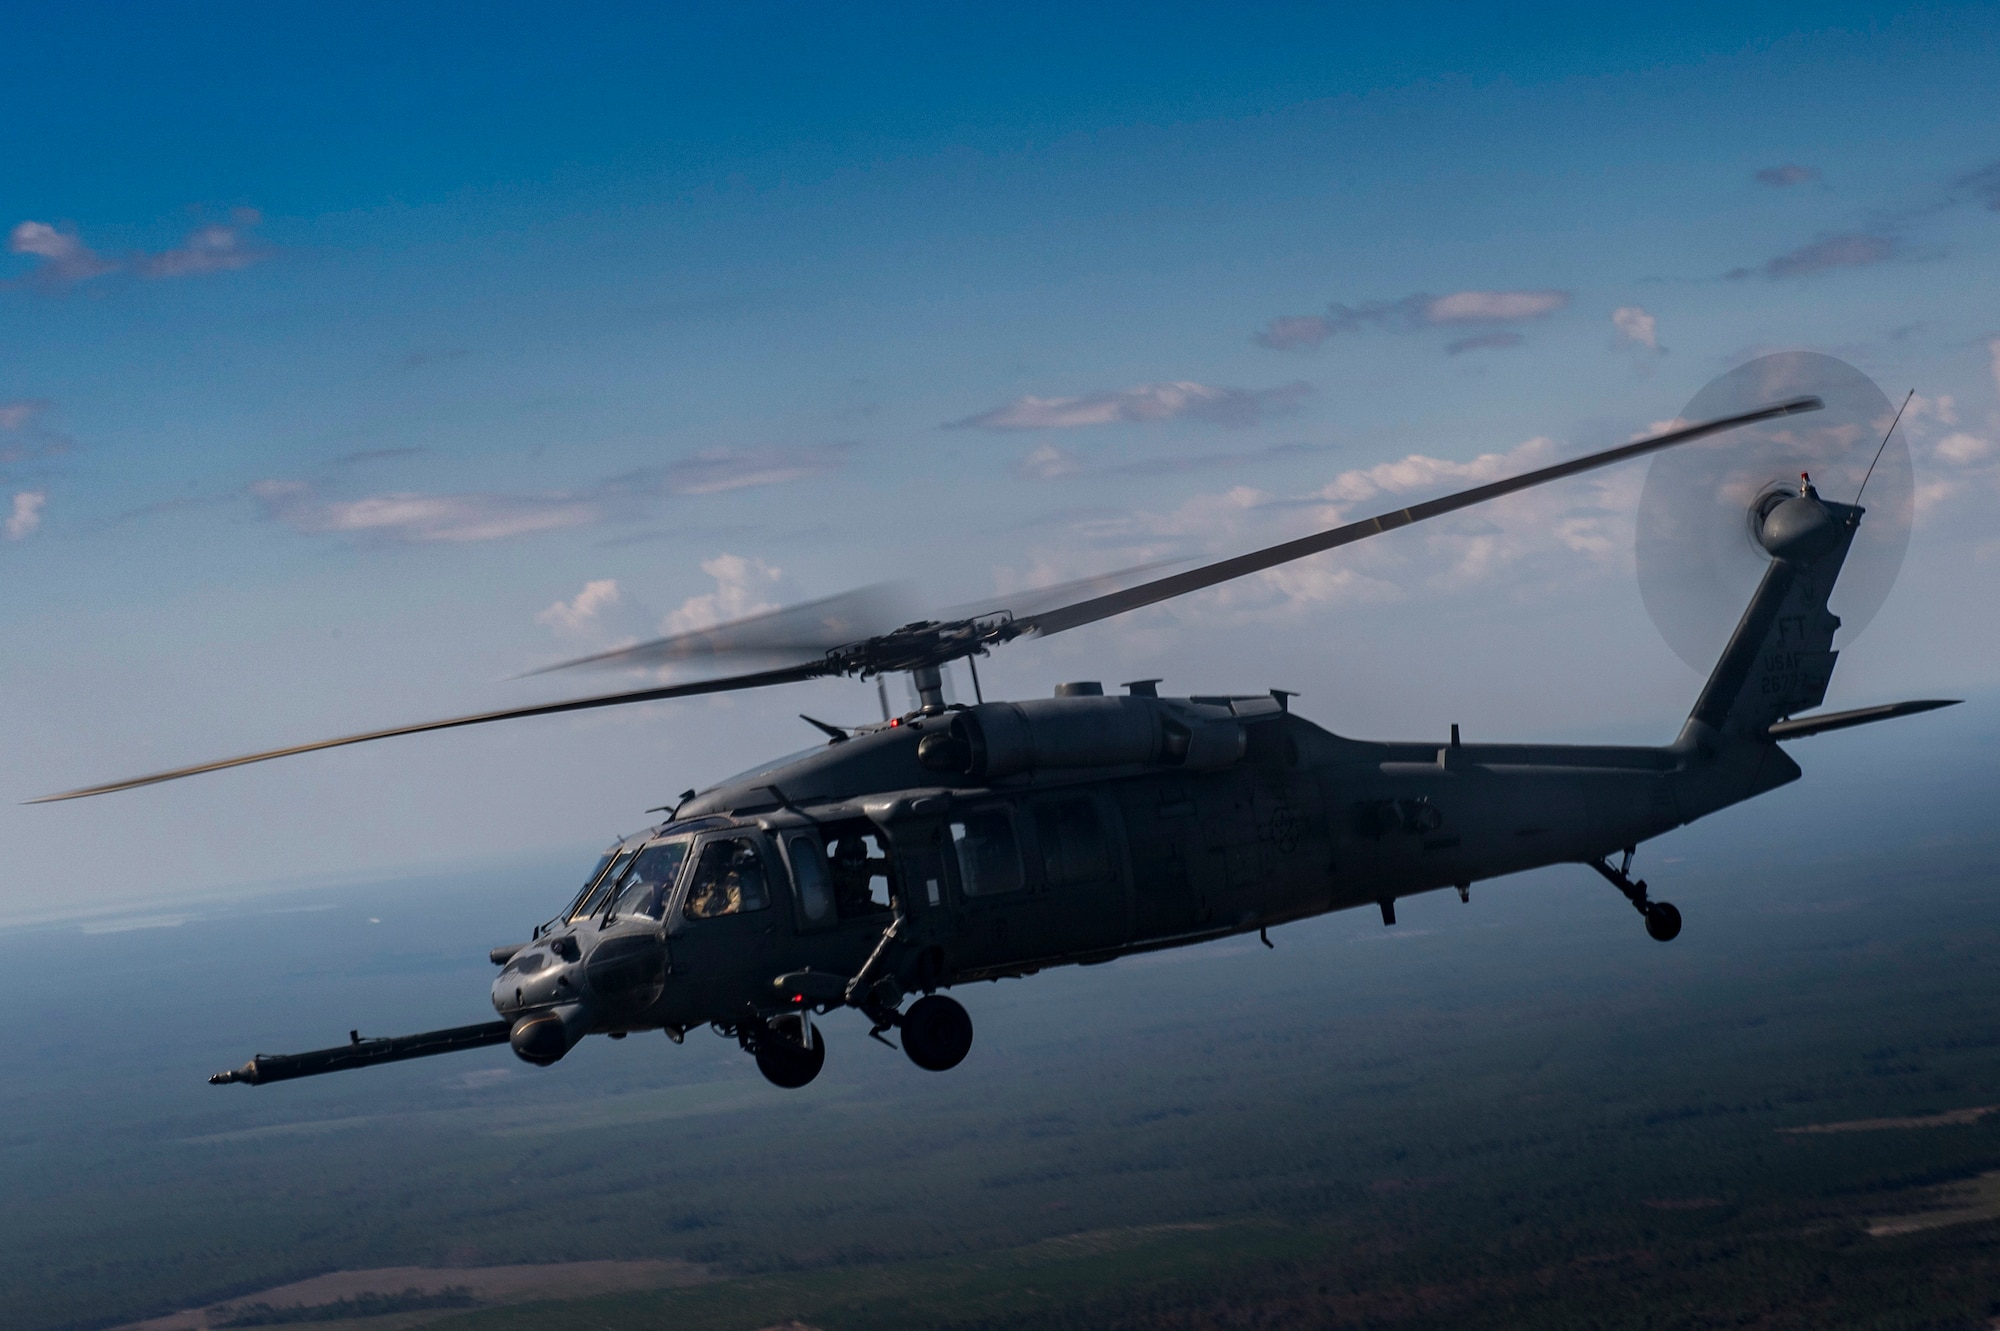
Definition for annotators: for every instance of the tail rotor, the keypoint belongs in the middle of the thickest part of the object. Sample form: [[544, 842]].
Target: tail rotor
[[1702, 543]]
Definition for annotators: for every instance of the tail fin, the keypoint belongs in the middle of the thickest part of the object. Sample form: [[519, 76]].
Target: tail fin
[[1781, 656]]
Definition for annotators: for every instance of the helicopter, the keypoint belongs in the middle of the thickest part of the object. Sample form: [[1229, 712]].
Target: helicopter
[[959, 843]]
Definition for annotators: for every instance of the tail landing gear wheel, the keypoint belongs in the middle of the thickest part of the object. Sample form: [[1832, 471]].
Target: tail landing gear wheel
[[937, 1033], [790, 1065], [1663, 921]]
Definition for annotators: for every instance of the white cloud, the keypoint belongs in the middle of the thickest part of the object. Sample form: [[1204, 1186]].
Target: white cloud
[[1962, 474], [1636, 327], [1420, 472], [1931, 494], [213, 247], [1943, 408], [1963, 449], [1294, 332], [1048, 462], [64, 256], [1494, 306], [1147, 402], [26, 516], [739, 587], [408, 516], [579, 616], [718, 470], [1530, 545], [422, 518]]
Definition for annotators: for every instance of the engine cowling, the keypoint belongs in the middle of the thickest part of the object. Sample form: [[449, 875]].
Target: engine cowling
[[999, 739]]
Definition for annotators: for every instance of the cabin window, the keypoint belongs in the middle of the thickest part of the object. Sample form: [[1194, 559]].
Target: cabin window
[[860, 870], [989, 859], [609, 869], [1072, 840], [728, 880], [650, 881], [809, 872]]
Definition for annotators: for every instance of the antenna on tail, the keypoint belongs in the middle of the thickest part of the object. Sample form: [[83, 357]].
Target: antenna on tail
[[1885, 443]]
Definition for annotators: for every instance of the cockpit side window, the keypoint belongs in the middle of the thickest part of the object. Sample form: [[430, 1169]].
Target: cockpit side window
[[728, 880], [648, 884], [598, 885]]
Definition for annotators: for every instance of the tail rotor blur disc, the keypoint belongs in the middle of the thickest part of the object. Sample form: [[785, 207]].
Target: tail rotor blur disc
[[1698, 561]]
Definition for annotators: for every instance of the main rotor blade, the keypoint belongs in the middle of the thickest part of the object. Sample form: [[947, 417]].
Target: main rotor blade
[[1209, 575], [1031, 600], [810, 628], [726, 684]]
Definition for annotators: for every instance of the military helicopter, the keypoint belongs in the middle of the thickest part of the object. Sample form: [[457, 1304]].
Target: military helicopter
[[965, 842]]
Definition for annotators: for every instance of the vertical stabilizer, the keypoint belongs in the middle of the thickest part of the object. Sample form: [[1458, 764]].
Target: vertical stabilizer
[[1780, 659]]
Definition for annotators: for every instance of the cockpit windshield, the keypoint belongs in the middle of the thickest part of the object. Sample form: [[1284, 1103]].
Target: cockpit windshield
[[594, 887], [650, 881]]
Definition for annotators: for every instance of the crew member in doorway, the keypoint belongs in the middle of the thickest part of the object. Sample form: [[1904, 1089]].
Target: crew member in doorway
[[852, 870]]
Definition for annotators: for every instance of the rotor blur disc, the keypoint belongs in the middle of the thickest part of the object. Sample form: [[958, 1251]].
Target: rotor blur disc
[[1698, 559]]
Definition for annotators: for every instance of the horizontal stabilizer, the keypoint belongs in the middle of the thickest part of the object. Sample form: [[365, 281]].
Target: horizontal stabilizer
[[1800, 727]]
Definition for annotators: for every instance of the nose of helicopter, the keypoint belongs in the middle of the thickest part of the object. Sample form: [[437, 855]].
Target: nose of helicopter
[[557, 990], [539, 989], [539, 976]]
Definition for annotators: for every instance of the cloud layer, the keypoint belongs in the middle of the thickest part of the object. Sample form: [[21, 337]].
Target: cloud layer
[[1536, 544], [1147, 402], [406, 516], [64, 260], [1300, 332], [410, 517], [1850, 249]]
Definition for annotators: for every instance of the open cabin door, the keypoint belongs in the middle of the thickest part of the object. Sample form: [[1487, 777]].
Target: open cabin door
[[914, 831]]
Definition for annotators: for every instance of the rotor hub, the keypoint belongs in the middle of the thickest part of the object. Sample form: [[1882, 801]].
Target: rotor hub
[[1795, 527]]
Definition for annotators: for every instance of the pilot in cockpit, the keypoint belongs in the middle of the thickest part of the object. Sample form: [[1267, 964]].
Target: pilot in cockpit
[[729, 880]]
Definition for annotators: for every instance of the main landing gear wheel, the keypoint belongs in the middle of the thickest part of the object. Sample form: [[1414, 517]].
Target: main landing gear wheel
[[937, 1033], [1663, 922], [790, 1065]]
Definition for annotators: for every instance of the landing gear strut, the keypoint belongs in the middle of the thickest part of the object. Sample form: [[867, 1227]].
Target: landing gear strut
[[1663, 922]]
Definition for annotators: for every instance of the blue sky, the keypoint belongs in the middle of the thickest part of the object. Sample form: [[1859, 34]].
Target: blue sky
[[356, 362]]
